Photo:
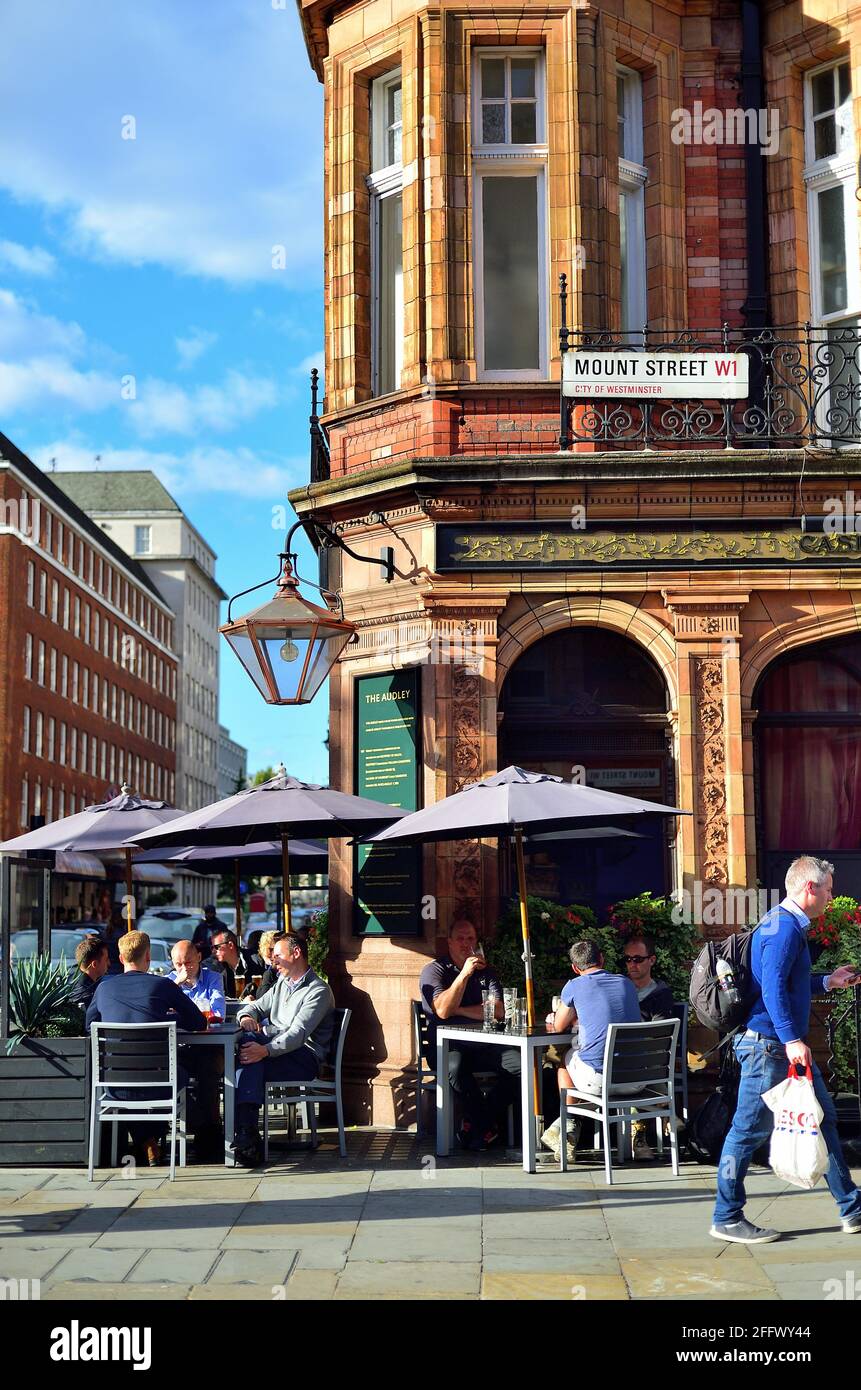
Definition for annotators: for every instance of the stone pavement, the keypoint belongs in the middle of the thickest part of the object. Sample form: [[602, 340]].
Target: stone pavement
[[392, 1222]]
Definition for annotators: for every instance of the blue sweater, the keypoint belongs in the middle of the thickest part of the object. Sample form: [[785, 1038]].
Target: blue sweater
[[781, 969], [135, 997]]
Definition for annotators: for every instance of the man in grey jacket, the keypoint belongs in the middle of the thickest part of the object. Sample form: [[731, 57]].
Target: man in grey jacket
[[289, 1047]]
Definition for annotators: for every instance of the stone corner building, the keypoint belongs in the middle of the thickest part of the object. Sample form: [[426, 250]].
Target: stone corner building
[[631, 585]]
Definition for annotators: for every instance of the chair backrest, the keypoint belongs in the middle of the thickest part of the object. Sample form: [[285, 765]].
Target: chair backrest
[[341, 1018], [134, 1054], [681, 1011], [640, 1053], [421, 1030]]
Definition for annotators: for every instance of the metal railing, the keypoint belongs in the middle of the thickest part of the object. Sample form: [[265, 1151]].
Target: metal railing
[[320, 464], [804, 389]]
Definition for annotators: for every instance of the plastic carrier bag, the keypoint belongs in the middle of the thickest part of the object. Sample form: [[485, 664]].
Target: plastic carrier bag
[[798, 1152]]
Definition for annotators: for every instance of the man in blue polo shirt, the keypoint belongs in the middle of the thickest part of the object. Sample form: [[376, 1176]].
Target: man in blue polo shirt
[[776, 1028]]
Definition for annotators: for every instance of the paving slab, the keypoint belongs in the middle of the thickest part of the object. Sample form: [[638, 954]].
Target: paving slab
[[28, 1262], [190, 1266], [237, 1267], [323, 1254], [545, 1225], [303, 1212], [286, 1236], [552, 1284], [242, 1293], [393, 1241], [115, 1293], [397, 1280], [105, 1266], [186, 1226], [669, 1278], [316, 1284]]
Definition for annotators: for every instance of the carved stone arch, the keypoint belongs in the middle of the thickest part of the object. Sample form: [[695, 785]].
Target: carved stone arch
[[790, 636], [557, 614]]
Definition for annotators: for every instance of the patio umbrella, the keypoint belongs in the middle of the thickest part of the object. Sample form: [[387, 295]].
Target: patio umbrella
[[106, 826], [280, 809], [263, 858], [514, 802]]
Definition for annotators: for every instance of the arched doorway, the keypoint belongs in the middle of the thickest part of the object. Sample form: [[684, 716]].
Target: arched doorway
[[588, 697], [808, 761]]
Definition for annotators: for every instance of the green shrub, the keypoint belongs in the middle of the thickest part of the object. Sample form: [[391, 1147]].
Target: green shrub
[[838, 933], [40, 1004], [676, 943], [318, 943], [552, 929]]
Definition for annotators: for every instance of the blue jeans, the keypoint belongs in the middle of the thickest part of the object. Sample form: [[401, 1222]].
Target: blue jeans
[[299, 1065], [764, 1064]]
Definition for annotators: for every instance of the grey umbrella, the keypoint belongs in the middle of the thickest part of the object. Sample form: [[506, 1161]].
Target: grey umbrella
[[106, 826], [516, 802], [281, 809]]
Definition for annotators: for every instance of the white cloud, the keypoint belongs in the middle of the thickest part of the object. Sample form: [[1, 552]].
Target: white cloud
[[189, 349], [29, 260], [162, 407], [242, 472], [44, 381], [227, 156], [24, 330], [314, 359]]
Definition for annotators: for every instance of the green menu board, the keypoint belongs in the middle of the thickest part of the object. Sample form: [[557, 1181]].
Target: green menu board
[[387, 878]]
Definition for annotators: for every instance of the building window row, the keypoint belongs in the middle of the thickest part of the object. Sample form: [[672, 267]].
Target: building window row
[[200, 697], [97, 573], [55, 741], [75, 682], [44, 799]]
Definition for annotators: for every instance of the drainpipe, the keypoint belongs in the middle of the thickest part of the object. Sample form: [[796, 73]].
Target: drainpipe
[[755, 307]]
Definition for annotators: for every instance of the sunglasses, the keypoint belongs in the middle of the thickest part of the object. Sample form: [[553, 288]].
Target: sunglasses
[[635, 960]]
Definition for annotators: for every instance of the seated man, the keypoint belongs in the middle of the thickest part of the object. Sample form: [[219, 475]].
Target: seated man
[[593, 1000], [138, 997], [92, 959], [654, 997], [289, 1048], [230, 959], [451, 989], [204, 988]]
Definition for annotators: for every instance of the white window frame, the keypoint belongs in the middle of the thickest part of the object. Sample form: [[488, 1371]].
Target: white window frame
[[835, 170], [511, 160], [633, 177], [384, 181]]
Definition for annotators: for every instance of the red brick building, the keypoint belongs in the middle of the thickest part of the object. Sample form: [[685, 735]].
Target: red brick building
[[87, 667]]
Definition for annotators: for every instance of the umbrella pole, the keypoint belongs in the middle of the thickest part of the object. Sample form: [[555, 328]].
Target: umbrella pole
[[527, 962], [237, 899], [285, 870], [129, 892]]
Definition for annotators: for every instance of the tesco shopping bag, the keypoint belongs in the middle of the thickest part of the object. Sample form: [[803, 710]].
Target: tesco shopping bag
[[798, 1152]]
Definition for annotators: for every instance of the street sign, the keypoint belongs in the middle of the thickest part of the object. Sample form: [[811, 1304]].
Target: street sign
[[663, 375]]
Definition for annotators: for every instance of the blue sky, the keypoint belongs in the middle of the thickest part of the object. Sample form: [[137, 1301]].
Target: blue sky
[[151, 158]]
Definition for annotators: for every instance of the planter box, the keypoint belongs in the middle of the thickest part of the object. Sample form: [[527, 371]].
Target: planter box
[[44, 1095]]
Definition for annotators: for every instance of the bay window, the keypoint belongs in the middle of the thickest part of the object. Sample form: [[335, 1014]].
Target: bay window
[[509, 164], [385, 184]]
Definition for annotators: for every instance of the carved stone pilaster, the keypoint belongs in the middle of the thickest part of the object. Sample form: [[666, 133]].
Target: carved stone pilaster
[[712, 770], [466, 767]]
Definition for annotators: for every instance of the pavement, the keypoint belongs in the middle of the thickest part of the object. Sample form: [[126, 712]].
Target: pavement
[[393, 1222]]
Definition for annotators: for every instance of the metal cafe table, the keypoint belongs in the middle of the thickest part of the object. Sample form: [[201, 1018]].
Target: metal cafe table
[[221, 1035], [530, 1041]]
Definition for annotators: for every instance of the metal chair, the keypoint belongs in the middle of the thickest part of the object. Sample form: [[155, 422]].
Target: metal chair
[[426, 1075], [311, 1093], [642, 1054], [135, 1056]]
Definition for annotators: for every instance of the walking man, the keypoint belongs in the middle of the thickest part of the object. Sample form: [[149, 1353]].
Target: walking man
[[776, 1029]]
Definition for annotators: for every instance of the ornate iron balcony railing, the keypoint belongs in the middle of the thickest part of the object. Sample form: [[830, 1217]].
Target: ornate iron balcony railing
[[804, 388]]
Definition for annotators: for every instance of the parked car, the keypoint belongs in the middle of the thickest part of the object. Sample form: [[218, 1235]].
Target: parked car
[[169, 924], [64, 941], [258, 922], [160, 961]]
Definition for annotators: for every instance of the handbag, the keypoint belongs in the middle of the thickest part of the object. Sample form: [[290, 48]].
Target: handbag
[[798, 1153]]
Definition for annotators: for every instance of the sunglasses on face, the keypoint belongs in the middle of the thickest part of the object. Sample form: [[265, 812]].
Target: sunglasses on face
[[635, 960]]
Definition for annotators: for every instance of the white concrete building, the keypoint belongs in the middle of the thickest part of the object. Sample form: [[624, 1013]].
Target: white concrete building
[[232, 764], [139, 514]]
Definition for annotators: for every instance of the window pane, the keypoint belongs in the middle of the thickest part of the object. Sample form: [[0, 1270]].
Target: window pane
[[620, 106], [523, 123], [394, 124], [824, 137], [493, 77], [523, 77], [510, 282], [844, 86], [493, 123], [391, 295], [823, 92], [832, 250]]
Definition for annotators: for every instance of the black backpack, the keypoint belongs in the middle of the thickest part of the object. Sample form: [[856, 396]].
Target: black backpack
[[713, 1007]]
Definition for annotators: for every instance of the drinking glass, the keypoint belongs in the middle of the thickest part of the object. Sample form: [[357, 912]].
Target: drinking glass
[[521, 1016], [239, 984], [555, 1002], [488, 1004]]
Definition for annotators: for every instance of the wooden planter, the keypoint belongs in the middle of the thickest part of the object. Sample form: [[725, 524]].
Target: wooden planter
[[44, 1095]]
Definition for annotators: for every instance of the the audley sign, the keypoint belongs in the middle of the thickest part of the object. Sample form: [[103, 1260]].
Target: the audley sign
[[663, 375], [553, 545]]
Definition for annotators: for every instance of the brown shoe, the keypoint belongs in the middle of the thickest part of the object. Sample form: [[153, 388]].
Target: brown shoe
[[152, 1149]]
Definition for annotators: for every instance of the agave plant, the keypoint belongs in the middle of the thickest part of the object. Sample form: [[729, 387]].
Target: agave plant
[[40, 1000]]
